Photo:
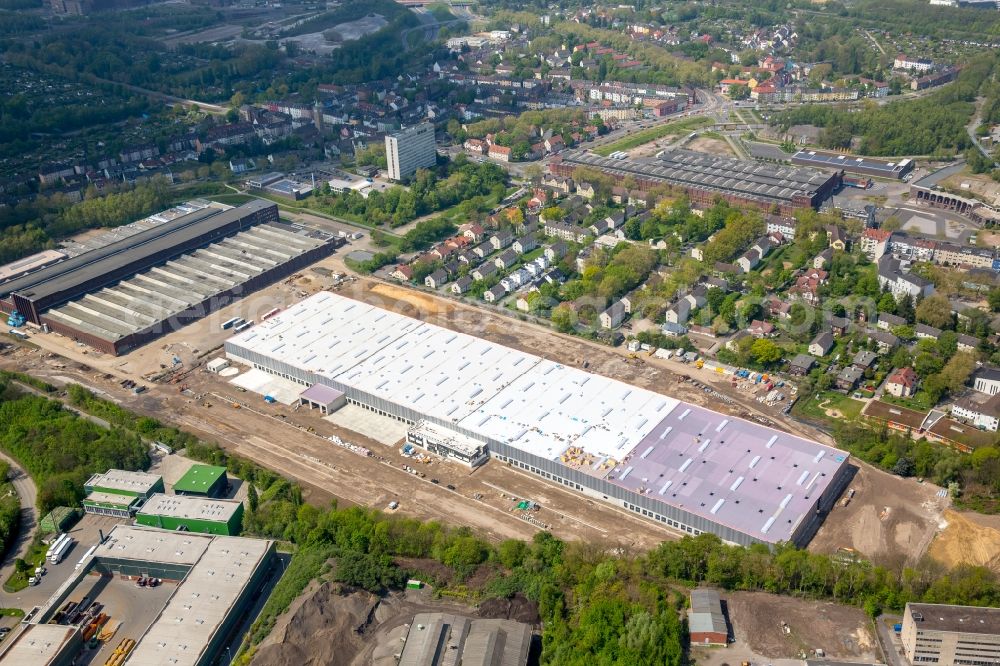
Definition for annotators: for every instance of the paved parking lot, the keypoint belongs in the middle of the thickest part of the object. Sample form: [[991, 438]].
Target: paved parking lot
[[86, 533], [383, 429]]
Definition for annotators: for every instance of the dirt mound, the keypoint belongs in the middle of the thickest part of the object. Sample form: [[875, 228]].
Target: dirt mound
[[966, 542], [517, 607], [425, 305], [322, 628]]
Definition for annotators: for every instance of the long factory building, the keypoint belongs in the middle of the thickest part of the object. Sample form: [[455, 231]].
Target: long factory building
[[688, 467], [770, 188], [868, 166], [120, 296]]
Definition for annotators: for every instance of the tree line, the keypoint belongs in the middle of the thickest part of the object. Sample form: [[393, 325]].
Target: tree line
[[10, 508], [476, 187]]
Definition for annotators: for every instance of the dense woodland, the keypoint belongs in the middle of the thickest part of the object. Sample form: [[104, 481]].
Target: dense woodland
[[473, 187], [34, 225], [60, 449]]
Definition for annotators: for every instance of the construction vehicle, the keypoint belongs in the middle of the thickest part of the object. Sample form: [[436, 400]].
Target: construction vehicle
[[121, 652], [106, 634]]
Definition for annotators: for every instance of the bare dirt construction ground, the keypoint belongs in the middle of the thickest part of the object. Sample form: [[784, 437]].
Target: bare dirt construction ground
[[890, 520], [989, 238], [842, 632], [294, 442], [329, 624], [980, 185], [219, 33], [969, 539], [710, 145], [354, 30]]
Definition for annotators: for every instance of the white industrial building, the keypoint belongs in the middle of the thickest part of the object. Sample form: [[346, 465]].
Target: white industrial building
[[685, 466], [217, 578]]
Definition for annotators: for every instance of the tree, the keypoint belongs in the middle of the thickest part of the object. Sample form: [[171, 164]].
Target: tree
[[765, 351], [947, 344], [553, 213], [887, 303], [370, 572], [935, 387], [927, 364], [957, 371], [935, 310], [563, 318], [904, 467], [253, 501], [993, 298]]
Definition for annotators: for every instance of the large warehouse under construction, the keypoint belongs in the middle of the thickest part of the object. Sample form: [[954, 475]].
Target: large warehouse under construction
[[691, 468], [122, 295]]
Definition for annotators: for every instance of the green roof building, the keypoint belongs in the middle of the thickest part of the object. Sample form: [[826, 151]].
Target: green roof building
[[119, 492], [203, 481], [192, 514]]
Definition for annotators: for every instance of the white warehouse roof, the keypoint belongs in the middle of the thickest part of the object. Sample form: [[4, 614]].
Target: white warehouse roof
[[535, 405], [756, 480]]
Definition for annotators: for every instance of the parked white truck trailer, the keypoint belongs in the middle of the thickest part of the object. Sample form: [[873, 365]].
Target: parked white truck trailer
[[60, 552]]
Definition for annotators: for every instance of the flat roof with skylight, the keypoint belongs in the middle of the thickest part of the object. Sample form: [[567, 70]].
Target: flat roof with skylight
[[39, 645], [198, 508], [757, 481], [199, 479], [138, 483], [218, 578]]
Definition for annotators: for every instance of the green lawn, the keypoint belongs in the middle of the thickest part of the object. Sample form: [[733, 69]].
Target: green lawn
[[920, 401], [652, 134], [35, 558], [830, 400]]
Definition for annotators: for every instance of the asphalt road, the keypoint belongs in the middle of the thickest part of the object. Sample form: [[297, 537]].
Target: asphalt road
[[885, 640], [27, 493]]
